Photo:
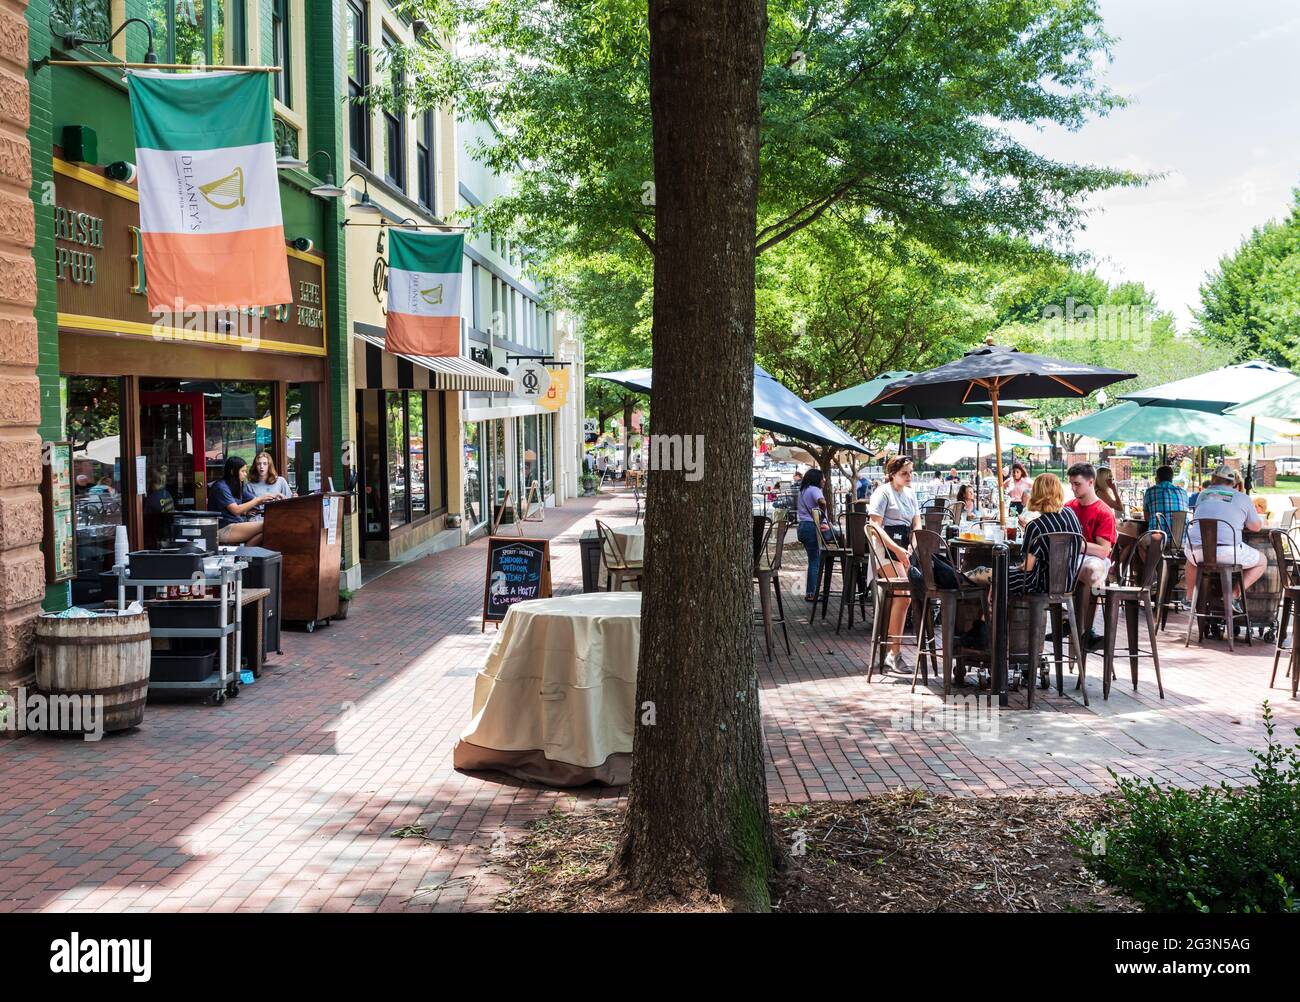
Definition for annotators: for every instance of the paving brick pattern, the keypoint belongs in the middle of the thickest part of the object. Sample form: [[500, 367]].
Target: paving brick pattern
[[285, 798]]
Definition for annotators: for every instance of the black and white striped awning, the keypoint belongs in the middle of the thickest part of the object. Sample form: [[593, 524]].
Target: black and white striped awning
[[445, 373]]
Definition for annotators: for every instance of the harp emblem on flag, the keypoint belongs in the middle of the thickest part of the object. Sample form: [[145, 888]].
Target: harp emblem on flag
[[432, 296], [225, 192]]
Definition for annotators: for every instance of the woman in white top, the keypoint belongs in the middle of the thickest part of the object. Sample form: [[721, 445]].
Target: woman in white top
[[262, 478], [894, 508]]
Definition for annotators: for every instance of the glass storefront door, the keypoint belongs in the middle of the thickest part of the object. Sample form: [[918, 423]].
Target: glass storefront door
[[475, 502], [170, 424]]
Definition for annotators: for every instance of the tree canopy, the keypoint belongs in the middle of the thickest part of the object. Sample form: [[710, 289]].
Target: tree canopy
[[1251, 303]]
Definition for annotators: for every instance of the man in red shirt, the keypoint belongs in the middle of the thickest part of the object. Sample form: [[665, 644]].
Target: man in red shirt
[[1099, 534]]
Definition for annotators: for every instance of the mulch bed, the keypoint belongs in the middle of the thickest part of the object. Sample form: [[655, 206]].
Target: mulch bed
[[902, 852]]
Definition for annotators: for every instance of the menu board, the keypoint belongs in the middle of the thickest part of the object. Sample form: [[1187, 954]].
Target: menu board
[[517, 570], [56, 490]]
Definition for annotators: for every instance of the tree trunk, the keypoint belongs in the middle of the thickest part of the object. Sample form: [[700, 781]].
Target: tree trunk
[[697, 814]]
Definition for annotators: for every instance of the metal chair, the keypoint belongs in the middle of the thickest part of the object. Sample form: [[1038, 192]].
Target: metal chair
[[925, 545], [1288, 562], [1064, 557], [857, 567], [1132, 595], [828, 551], [1174, 525], [767, 575], [1288, 519], [933, 519], [1211, 529], [884, 589], [617, 567]]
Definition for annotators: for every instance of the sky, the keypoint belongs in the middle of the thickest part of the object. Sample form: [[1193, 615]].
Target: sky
[[1214, 92]]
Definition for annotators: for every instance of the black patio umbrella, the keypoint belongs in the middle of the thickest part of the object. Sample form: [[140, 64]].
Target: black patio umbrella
[[991, 371], [987, 373]]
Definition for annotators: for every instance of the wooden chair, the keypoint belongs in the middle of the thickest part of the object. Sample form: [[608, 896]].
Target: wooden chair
[[925, 545], [857, 567], [1064, 553], [1132, 595], [767, 575], [1211, 531], [884, 589], [617, 567]]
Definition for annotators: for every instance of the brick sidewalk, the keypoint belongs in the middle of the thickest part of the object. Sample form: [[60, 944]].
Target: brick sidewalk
[[285, 798]]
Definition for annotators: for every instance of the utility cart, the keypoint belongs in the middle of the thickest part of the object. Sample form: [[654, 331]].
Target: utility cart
[[224, 679]]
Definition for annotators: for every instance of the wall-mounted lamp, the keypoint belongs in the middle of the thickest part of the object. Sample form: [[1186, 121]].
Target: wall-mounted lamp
[[74, 41], [364, 204]]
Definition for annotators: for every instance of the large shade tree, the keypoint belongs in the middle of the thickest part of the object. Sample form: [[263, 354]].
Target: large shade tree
[[709, 135]]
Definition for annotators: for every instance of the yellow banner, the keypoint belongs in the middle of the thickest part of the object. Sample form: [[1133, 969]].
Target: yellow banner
[[558, 394]]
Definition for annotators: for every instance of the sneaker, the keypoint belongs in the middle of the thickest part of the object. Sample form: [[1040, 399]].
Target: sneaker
[[1095, 641]]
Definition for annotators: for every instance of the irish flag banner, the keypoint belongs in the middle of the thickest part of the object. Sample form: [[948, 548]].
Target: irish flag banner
[[209, 193], [424, 292]]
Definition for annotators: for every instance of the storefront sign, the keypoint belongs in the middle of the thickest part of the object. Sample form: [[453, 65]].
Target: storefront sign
[[532, 380], [102, 281], [557, 394]]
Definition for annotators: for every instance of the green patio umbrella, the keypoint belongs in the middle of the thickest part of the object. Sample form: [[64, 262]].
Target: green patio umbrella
[[1131, 422], [1219, 389]]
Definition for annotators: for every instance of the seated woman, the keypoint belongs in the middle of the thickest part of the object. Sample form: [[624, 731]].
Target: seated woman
[[1047, 499], [263, 478], [234, 499], [966, 495]]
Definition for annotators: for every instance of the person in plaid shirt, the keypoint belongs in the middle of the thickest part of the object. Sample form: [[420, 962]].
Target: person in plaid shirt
[[1163, 499]]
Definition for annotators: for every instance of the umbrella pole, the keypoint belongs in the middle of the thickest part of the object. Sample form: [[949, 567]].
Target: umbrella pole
[[1250, 458], [997, 455]]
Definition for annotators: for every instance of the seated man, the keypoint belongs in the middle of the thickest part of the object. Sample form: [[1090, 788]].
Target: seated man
[[1223, 501], [1099, 535], [1162, 499]]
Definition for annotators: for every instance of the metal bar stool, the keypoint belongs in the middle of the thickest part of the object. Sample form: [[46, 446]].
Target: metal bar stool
[[885, 589], [767, 575], [1227, 575], [1064, 550], [857, 567], [926, 545], [1288, 561], [1174, 524], [829, 551], [1132, 596]]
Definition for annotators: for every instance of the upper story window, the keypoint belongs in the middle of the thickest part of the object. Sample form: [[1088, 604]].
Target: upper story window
[[199, 32], [394, 124], [358, 66], [280, 48], [424, 162]]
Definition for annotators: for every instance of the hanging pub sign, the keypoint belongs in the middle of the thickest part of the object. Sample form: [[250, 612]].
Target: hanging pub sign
[[103, 284], [518, 569], [209, 190], [424, 271], [557, 392], [532, 380]]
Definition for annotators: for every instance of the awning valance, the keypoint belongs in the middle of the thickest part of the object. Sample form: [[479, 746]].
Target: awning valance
[[450, 373]]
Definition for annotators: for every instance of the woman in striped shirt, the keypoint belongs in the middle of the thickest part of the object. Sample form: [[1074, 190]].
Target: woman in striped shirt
[[1047, 498]]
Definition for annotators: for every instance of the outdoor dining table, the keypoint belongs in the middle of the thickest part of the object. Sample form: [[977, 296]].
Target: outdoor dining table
[[556, 701], [632, 539]]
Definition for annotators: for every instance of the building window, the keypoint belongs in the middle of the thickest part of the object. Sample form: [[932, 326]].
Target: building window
[[394, 122], [199, 32], [280, 51], [417, 446], [358, 60], [98, 467], [424, 163], [476, 299]]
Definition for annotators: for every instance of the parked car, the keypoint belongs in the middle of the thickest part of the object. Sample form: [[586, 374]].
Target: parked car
[[1287, 466]]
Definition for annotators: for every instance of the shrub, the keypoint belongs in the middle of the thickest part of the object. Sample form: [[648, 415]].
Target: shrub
[[1216, 849]]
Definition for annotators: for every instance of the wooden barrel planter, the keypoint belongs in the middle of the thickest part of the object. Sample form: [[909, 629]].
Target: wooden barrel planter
[[104, 656]]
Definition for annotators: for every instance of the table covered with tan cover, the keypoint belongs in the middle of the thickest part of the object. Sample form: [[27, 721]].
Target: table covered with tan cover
[[631, 538], [556, 701]]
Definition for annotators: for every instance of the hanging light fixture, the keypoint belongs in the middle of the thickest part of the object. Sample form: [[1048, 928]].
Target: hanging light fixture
[[288, 161], [327, 188], [364, 204]]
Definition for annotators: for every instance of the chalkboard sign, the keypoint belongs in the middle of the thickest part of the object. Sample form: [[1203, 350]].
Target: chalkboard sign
[[517, 570], [60, 543]]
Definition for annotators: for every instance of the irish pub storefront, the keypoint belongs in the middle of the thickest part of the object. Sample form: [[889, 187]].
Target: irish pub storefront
[[153, 406]]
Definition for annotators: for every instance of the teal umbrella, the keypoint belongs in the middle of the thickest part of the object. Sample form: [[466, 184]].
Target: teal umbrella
[[1132, 422]]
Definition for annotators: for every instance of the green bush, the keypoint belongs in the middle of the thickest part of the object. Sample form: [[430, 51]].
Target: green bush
[[1216, 849]]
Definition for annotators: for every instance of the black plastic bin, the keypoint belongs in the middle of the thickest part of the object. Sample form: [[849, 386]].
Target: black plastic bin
[[191, 667], [265, 570], [187, 614], [165, 564]]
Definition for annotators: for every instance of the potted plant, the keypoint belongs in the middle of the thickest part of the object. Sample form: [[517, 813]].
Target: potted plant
[[345, 599], [453, 521], [588, 485]]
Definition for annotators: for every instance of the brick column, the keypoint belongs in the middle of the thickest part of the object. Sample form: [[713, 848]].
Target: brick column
[[22, 567]]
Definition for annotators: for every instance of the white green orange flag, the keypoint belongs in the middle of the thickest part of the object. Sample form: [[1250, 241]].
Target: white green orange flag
[[209, 192], [424, 293]]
